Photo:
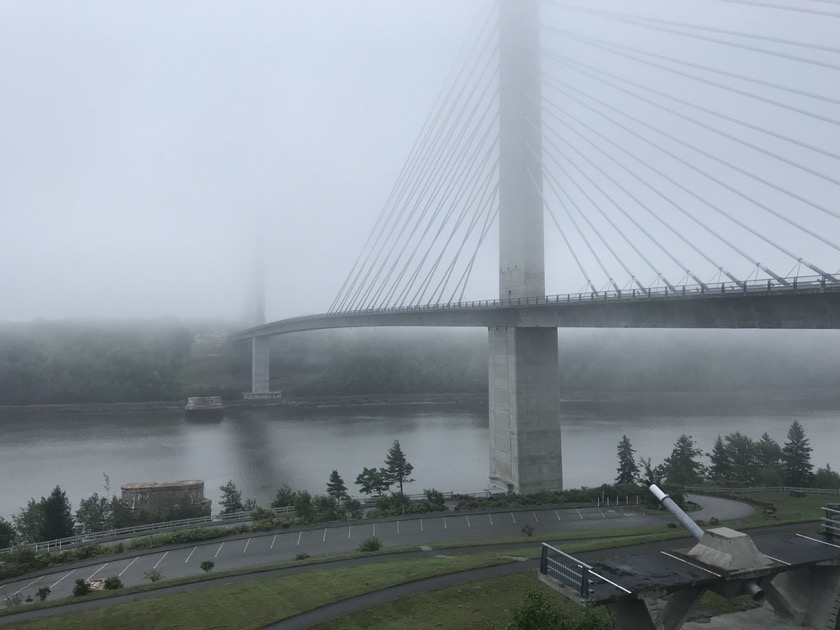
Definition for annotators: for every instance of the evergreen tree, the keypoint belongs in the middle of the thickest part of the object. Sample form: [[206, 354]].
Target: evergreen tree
[[58, 516], [335, 487], [681, 467], [796, 458], [768, 456], [721, 468], [231, 500], [741, 452], [628, 471], [397, 467]]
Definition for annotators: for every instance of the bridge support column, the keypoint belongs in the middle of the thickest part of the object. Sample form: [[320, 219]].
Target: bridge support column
[[525, 451], [260, 357]]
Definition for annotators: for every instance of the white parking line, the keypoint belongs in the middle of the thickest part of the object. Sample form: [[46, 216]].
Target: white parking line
[[246, 546], [444, 522], [622, 511], [273, 540], [161, 560], [579, 514], [513, 517], [398, 527], [31, 583], [421, 524], [191, 553], [66, 576], [126, 569], [98, 570], [535, 517], [324, 539], [602, 513], [557, 515], [300, 533], [490, 516], [468, 522], [350, 529], [218, 550]]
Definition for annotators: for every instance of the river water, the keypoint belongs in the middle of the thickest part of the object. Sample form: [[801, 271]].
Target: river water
[[262, 448]]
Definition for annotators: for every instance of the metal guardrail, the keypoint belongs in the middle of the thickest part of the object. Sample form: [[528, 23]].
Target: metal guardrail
[[832, 492], [831, 522], [137, 531], [567, 570], [186, 523]]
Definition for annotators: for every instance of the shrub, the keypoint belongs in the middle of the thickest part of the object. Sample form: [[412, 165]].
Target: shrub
[[302, 556], [536, 612], [528, 530], [112, 583], [371, 544], [207, 566], [153, 575], [86, 551], [81, 588], [13, 600], [43, 593]]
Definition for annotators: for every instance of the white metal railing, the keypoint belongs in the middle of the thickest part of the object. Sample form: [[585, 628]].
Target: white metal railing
[[831, 522], [753, 489]]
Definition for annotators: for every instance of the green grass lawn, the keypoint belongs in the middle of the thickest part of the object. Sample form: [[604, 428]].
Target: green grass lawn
[[255, 603], [790, 509]]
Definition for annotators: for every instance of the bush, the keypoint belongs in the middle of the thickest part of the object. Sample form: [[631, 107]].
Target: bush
[[207, 566], [81, 588], [113, 583], [43, 593], [84, 552], [13, 600], [537, 612], [302, 556], [371, 544], [528, 530], [153, 575]]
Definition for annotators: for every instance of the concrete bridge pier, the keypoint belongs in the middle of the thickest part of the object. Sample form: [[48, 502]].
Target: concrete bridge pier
[[260, 370], [525, 453]]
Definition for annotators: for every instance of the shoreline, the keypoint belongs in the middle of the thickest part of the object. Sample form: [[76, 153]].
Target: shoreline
[[568, 398]]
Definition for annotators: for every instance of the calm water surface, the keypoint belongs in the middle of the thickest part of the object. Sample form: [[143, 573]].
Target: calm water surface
[[260, 449]]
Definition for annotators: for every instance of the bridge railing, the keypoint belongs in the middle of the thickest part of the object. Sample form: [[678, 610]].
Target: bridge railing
[[786, 285]]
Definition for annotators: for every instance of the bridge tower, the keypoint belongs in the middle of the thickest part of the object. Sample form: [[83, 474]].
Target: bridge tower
[[525, 452], [260, 346]]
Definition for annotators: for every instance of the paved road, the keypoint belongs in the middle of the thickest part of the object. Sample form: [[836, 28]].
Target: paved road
[[261, 549]]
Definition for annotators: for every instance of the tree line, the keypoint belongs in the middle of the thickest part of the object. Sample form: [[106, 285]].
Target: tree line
[[736, 460]]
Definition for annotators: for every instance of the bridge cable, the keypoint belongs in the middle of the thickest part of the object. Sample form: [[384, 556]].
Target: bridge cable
[[450, 173], [663, 196], [796, 8], [695, 168], [469, 188], [746, 143], [650, 24], [439, 157], [618, 206], [602, 213], [634, 197], [576, 65], [729, 187], [635, 52], [550, 180], [460, 68]]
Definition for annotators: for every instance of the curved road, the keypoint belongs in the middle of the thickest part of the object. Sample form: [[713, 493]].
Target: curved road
[[244, 551]]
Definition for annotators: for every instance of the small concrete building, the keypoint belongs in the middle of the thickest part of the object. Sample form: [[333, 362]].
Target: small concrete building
[[167, 499]]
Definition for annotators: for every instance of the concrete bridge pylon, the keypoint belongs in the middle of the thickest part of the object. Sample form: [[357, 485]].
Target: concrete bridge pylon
[[525, 447]]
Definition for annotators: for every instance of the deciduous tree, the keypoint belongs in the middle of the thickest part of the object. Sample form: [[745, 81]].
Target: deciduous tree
[[94, 514], [373, 481], [7, 534]]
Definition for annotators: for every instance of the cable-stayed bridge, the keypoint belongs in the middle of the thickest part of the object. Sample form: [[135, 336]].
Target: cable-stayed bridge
[[677, 161]]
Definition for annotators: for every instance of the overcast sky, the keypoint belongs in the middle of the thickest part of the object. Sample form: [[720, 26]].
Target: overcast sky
[[146, 148]]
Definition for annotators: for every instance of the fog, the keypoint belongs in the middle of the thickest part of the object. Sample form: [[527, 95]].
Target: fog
[[149, 150]]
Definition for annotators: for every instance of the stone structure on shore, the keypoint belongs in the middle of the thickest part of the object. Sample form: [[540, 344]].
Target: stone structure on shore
[[176, 499]]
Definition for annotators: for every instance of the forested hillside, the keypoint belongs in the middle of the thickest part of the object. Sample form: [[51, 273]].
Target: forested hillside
[[78, 362]]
